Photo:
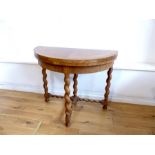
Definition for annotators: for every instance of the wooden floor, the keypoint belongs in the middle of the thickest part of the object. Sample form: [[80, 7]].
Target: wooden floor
[[27, 113]]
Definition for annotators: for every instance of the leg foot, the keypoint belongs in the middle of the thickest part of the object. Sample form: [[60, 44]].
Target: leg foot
[[68, 108], [107, 91], [46, 95], [105, 107], [74, 99]]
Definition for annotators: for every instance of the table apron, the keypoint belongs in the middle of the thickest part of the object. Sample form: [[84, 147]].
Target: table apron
[[76, 69]]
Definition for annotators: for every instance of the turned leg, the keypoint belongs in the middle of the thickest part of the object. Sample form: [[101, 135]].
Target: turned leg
[[75, 98], [75, 85], [45, 85], [107, 91], [68, 108]]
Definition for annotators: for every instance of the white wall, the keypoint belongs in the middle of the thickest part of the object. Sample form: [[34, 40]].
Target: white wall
[[80, 24], [71, 23], [127, 85], [133, 39]]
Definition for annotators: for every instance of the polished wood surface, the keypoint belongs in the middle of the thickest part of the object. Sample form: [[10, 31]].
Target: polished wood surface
[[26, 113], [73, 56], [76, 61]]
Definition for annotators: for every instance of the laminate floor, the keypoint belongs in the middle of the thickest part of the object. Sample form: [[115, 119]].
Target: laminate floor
[[27, 113]]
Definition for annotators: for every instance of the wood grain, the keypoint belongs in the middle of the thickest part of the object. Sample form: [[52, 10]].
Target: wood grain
[[74, 57], [74, 70], [26, 113]]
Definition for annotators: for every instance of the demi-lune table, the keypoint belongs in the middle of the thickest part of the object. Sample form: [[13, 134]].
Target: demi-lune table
[[74, 61]]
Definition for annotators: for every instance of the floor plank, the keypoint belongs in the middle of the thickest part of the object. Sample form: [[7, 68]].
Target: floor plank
[[27, 113]]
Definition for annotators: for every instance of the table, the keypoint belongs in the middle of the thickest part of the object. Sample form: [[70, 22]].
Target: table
[[74, 61]]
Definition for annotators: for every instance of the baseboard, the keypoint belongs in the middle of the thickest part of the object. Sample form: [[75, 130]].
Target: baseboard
[[133, 100], [82, 94], [113, 98], [21, 87]]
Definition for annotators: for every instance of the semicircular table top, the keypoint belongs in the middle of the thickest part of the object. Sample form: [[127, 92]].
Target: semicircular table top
[[73, 56]]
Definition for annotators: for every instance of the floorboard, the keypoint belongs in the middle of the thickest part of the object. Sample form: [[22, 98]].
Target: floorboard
[[27, 114]]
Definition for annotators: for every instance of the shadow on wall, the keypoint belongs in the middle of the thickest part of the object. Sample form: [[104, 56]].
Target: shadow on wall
[[116, 80]]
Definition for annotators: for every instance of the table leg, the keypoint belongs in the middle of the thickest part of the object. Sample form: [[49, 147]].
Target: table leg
[[75, 98], [46, 95], [75, 85], [107, 91], [68, 106]]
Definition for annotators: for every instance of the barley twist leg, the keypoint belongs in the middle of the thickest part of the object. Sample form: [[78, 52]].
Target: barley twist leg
[[107, 91], [75, 98], [75, 84], [46, 95], [68, 107]]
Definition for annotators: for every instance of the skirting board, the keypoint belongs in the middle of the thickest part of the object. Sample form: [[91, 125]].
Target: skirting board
[[82, 94]]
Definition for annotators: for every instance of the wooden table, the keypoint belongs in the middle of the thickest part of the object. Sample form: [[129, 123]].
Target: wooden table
[[74, 61]]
